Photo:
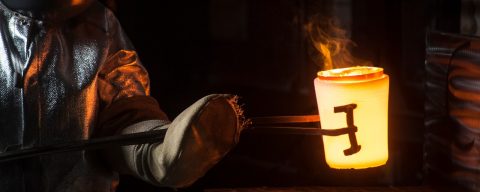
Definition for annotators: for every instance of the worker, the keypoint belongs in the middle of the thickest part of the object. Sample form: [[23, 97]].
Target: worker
[[68, 72]]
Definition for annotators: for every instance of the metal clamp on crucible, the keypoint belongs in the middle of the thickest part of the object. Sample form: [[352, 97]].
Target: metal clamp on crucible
[[350, 129]]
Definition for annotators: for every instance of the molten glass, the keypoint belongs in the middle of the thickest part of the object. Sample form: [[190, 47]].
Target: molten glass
[[367, 88]]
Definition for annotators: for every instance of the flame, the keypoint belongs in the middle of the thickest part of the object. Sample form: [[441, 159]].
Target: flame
[[323, 48], [331, 43]]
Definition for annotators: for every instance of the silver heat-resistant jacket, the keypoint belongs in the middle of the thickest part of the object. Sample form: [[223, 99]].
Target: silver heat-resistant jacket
[[55, 79]]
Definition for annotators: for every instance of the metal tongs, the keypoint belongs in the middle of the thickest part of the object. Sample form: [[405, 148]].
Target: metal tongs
[[304, 125], [290, 125]]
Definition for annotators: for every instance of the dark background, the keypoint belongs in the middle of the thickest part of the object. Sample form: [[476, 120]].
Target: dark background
[[258, 50]]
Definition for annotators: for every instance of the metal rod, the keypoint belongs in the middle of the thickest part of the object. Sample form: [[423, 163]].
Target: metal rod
[[285, 119], [305, 130], [90, 144]]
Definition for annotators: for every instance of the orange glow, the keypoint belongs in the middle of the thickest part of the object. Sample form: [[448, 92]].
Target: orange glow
[[367, 87], [76, 2]]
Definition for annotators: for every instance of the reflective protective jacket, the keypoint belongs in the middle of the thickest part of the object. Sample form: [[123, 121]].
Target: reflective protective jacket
[[56, 80]]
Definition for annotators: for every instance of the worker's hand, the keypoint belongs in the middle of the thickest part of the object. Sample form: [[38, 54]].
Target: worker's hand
[[196, 140]]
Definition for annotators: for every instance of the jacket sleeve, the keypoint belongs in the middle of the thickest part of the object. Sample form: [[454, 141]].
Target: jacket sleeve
[[123, 85], [123, 88], [122, 74]]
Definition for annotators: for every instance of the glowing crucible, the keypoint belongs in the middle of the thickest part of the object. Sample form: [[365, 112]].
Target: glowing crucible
[[353, 108]]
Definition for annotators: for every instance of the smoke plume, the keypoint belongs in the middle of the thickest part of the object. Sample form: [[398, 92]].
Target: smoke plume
[[331, 45]]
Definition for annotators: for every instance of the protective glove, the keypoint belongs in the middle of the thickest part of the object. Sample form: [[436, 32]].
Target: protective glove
[[195, 141]]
